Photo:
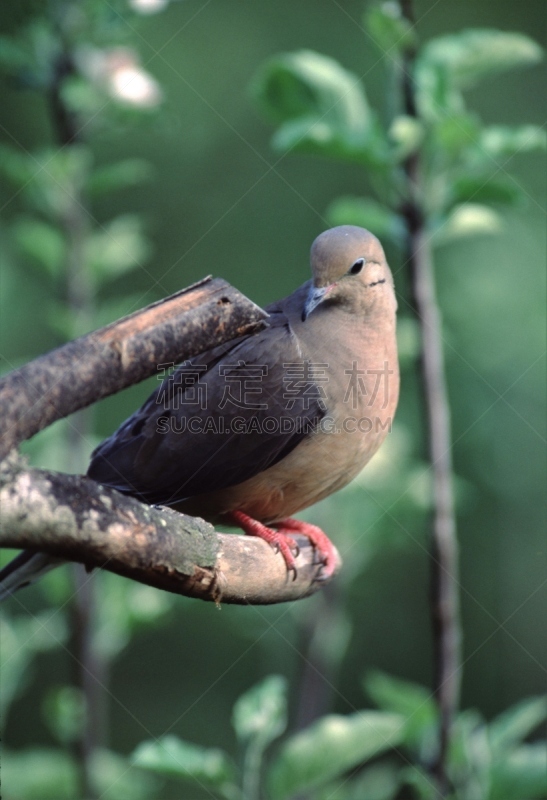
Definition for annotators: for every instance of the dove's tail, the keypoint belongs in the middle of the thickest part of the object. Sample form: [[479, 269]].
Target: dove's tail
[[25, 569]]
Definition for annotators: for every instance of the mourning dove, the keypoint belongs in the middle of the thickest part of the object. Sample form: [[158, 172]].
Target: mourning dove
[[258, 429]]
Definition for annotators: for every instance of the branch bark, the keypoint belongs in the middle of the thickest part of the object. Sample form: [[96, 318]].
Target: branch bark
[[74, 518], [108, 360], [445, 611]]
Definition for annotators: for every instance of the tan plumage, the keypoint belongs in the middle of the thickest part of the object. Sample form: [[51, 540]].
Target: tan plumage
[[340, 324], [344, 320], [356, 335]]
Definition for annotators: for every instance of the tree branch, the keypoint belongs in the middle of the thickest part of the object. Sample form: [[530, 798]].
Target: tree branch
[[74, 518], [108, 360], [445, 610]]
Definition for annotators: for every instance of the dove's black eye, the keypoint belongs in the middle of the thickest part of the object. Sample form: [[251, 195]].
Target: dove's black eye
[[357, 267]]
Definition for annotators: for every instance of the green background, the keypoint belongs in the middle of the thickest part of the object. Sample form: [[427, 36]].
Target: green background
[[221, 202]]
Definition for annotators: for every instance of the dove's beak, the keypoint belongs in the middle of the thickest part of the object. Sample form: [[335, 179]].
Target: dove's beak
[[316, 295]]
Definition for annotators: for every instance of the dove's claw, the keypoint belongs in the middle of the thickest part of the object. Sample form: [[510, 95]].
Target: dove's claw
[[321, 542], [280, 541]]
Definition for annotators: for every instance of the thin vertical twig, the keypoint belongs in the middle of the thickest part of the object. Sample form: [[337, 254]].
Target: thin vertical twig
[[445, 612], [89, 675], [88, 668]]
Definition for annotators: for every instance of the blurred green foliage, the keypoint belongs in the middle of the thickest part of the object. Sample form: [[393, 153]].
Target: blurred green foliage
[[323, 110], [486, 761], [170, 160]]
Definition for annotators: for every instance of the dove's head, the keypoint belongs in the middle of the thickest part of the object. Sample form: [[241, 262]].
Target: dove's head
[[349, 269]]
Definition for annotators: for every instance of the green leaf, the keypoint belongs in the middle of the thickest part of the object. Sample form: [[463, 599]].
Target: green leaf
[[81, 96], [64, 712], [262, 711], [521, 774], [116, 779], [436, 97], [47, 774], [414, 703], [422, 782], [29, 54], [305, 83], [65, 170], [448, 64], [39, 774], [126, 608], [369, 214], [22, 638], [18, 167], [483, 189], [378, 782], [184, 761], [407, 134], [329, 747], [515, 724], [390, 30], [42, 242], [471, 55], [394, 694], [53, 180], [457, 132], [469, 757], [116, 249], [468, 219], [321, 106], [43, 43], [505, 140], [120, 175]]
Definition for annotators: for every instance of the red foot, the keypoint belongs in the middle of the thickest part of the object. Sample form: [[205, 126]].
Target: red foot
[[282, 540], [283, 543], [319, 540]]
